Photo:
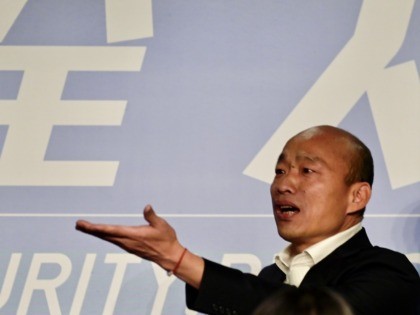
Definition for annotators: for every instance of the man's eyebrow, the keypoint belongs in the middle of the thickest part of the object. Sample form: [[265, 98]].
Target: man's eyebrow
[[313, 159], [303, 157]]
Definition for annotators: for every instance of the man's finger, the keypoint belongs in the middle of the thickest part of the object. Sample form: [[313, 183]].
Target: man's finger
[[100, 230], [88, 227], [82, 225], [151, 217]]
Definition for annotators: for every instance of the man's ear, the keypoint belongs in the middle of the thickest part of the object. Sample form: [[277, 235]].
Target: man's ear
[[359, 196]]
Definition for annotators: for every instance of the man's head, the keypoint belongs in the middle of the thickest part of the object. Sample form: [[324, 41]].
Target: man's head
[[304, 301], [323, 182]]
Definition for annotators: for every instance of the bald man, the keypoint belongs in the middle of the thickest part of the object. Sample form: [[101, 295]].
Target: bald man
[[322, 184]]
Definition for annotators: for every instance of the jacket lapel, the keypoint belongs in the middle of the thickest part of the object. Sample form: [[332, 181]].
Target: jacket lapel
[[328, 271]]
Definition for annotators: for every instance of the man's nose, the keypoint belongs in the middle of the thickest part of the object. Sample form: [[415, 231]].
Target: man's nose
[[284, 183]]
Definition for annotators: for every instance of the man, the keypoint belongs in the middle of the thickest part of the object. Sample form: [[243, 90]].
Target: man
[[321, 188]]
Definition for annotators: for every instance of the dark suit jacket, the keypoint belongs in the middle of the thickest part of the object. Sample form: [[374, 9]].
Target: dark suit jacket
[[373, 280]]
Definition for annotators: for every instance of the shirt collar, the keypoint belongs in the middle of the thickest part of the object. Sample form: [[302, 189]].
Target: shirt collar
[[315, 253], [322, 249]]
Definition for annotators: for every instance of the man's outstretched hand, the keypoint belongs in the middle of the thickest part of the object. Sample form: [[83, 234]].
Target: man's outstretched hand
[[156, 241]]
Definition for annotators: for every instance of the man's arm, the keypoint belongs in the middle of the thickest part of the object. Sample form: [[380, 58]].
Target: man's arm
[[225, 290], [156, 242], [211, 287]]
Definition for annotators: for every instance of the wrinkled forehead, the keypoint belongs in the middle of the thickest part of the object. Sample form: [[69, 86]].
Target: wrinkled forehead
[[301, 156]]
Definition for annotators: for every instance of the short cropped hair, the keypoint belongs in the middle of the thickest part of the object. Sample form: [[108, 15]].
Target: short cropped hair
[[361, 167]]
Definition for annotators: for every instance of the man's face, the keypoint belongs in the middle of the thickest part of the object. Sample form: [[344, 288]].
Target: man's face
[[309, 194]]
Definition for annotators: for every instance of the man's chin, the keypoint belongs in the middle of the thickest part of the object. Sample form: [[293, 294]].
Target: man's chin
[[288, 236]]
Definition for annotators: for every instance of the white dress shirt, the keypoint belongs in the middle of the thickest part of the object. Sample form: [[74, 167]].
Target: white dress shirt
[[296, 267]]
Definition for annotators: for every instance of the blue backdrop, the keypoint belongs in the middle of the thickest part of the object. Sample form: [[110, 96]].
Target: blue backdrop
[[106, 106]]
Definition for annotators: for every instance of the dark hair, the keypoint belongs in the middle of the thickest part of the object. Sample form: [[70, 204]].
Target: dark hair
[[361, 167], [361, 163], [304, 301]]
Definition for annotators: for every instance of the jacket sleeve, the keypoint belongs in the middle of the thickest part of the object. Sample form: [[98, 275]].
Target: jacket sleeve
[[228, 291]]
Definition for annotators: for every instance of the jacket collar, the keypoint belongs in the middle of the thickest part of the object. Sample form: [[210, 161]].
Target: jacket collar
[[328, 269]]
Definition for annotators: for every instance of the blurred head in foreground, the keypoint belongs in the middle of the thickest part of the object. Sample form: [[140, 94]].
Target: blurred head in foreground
[[304, 301]]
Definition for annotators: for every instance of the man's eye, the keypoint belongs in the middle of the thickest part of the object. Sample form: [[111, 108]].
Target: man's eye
[[279, 171], [308, 170]]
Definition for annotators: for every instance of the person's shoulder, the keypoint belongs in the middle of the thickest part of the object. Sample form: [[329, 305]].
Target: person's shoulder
[[387, 258], [382, 252], [360, 248]]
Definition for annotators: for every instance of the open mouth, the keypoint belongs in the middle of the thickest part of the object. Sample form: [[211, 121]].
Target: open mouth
[[284, 209], [287, 211]]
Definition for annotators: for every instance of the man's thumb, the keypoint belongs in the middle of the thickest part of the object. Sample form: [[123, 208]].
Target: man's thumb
[[150, 215]]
